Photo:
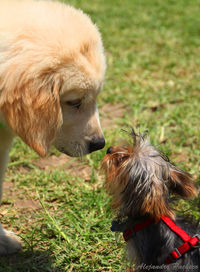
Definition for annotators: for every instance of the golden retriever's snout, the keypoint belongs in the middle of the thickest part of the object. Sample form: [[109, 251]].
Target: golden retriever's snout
[[96, 144]]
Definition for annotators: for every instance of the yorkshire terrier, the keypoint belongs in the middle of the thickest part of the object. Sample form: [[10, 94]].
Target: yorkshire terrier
[[140, 180]]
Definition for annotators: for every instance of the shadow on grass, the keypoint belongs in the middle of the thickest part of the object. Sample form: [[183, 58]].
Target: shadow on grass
[[29, 261]]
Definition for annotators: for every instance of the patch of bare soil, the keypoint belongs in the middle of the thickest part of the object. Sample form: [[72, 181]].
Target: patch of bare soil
[[18, 198], [110, 114], [29, 204], [156, 105], [181, 157], [64, 162]]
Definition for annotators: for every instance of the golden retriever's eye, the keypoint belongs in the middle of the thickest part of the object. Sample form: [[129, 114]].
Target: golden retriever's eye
[[74, 103]]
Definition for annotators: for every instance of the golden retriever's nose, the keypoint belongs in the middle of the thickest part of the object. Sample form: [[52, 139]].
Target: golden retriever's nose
[[96, 144]]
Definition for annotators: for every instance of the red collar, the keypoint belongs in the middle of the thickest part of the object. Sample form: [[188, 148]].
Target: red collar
[[189, 242], [128, 233]]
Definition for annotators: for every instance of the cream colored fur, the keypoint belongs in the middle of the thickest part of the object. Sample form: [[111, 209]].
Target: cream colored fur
[[52, 67]]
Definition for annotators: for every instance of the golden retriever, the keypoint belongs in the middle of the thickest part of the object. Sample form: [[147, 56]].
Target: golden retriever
[[52, 68]]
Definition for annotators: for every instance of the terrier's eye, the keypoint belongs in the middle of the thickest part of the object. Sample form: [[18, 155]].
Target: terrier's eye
[[74, 103], [121, 159]]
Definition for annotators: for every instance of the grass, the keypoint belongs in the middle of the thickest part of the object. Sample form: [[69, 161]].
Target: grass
[[153, 57]]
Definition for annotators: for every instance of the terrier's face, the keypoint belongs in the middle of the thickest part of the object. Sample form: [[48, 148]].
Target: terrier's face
[[139, 178]]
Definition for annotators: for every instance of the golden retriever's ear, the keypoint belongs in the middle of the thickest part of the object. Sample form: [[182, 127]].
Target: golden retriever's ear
[[33, 111]]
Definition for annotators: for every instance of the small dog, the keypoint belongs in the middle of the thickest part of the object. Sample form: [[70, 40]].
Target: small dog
[[140, 178]]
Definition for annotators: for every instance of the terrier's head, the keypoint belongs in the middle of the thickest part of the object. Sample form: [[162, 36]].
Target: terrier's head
[[140, 178]]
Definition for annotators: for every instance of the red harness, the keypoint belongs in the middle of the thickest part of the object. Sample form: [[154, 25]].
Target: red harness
[[189, 242]]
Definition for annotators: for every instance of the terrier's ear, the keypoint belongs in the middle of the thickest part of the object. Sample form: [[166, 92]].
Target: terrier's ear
[[181, 183], [33, 111]]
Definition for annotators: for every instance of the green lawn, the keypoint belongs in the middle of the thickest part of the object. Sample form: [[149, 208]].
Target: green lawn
[[152, 82]]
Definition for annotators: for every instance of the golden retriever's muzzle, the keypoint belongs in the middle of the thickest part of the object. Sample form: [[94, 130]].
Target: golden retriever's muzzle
[[80, 148]]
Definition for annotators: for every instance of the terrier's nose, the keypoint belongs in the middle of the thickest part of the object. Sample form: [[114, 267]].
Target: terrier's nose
[[109, 150]]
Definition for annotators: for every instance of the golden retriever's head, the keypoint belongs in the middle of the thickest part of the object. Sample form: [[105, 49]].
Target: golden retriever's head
[[52, 68]]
